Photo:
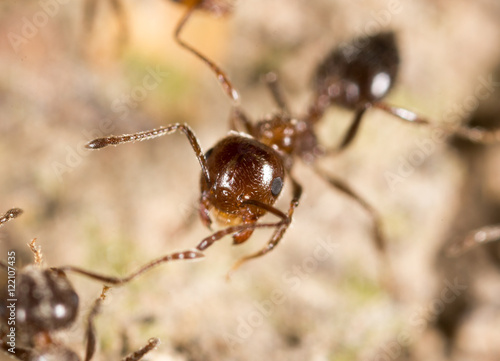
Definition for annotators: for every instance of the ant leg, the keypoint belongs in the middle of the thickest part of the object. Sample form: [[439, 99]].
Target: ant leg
[[475, 135], [378, 237], [90, 333], [353, 129], [278, 234], [473, 239], [237, 115], [186, 255], [221, 76], [139, 354], [208, 241], [387, 275], [151, 134], [9, 215], [37, 252], [271, 80]]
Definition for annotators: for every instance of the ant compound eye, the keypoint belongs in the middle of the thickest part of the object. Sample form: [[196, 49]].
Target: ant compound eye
[[276, 186]]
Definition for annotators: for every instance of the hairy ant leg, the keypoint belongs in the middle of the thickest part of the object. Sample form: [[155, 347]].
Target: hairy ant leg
[[378, 236], [272, 82], [380, 243], [238, 116], [353, 129], [475, 135], [221, 76], [139, 354], [10, 215], [474, 239], [91, 339]]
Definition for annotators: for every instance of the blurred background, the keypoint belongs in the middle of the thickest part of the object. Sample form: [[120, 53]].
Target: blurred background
[[69, 77]]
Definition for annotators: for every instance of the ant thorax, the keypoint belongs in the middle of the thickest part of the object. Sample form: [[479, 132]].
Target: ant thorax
[[289, 137]]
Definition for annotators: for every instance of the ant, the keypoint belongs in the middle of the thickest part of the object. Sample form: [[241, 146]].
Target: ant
[[46, 302], [243, 174], [359, 75]]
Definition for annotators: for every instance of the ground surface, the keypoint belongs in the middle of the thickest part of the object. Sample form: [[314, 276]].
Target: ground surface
[[113, 210]]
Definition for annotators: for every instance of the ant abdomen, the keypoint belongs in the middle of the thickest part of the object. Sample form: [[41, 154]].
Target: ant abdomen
[[360, 72], [46, 300]]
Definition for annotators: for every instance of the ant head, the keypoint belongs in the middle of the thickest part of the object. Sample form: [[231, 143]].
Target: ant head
[[360, 72], [241, 170], [46, 300]]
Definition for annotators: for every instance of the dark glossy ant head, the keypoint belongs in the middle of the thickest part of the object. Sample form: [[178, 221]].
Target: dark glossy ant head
[[46, 300], [360, 72], [241, 170]]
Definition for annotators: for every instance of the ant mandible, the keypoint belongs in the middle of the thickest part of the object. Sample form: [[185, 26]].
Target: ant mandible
[[47, 302], [359, 75]]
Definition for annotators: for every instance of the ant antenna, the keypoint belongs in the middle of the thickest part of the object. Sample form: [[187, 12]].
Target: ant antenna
[[186, 255]]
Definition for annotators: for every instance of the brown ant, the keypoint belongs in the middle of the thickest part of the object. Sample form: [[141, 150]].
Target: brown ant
[[243, 174], [358, 75], [46, 302]]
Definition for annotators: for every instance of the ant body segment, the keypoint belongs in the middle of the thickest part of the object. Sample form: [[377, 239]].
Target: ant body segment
[[359, 75], [47, 303]]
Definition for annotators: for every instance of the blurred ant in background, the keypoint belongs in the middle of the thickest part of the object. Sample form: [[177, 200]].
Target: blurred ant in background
[[359, 75], [46, 302], [214, 7]]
